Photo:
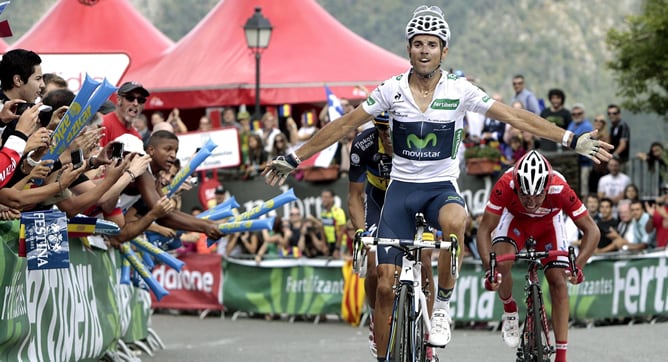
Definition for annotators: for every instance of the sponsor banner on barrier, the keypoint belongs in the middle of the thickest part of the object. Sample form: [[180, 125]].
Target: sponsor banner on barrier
[[613, 288], [57, 314], [197, 286], [295, 287]]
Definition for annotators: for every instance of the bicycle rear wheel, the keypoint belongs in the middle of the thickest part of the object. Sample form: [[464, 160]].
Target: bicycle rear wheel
[[403, 327]]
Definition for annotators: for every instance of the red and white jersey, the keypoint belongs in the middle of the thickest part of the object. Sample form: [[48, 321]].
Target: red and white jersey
[[560, 196]]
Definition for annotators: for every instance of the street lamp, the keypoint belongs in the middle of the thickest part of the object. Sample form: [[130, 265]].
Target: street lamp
[[258, 31]]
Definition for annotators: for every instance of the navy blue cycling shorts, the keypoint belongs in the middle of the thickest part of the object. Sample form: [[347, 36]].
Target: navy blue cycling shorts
[[402, 201]]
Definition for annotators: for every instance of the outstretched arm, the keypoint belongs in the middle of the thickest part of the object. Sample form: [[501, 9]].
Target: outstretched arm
[[527, 121], [278, 169]]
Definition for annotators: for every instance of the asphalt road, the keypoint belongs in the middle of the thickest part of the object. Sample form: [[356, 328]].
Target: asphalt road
[[189, 338]]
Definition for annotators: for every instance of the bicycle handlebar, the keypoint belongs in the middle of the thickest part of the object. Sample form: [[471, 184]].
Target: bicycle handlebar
[[531, 255], [370, 240]]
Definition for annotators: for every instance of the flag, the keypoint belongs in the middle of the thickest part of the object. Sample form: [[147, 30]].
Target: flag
[[353, 295], [284, 110], [5, 29], [308, 119], [334, 107], [324, 158]]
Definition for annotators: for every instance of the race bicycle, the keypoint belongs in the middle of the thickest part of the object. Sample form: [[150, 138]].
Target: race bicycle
[[410, 324], [535, 345]]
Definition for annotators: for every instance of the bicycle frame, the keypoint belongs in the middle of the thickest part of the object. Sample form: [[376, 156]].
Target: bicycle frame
[[533, 347], [408, 284]]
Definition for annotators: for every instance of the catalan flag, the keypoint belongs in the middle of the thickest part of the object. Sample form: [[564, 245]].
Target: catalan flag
[[353, 295]]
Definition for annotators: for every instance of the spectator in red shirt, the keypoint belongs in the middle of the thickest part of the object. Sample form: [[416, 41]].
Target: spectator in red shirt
[[131, 99]]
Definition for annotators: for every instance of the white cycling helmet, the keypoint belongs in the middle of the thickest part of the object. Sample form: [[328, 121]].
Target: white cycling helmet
[[532, 173], [428, 20]]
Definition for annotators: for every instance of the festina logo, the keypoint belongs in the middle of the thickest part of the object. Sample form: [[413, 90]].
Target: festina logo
[[446, 104]]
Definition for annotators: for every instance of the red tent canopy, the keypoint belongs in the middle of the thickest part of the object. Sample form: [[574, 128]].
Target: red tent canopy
[[212, 65], [110, 26]]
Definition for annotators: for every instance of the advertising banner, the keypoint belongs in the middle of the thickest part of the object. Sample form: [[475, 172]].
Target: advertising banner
[[295, 287], [56, 314], [197, 286], [635, 286]]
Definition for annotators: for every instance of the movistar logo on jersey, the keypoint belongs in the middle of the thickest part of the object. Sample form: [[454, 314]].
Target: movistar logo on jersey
[[420, 143], [445, 104], [452, 76], [370, 101], [485, 98]]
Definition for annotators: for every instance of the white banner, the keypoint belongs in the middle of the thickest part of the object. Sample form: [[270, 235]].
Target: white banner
[[227, 153]]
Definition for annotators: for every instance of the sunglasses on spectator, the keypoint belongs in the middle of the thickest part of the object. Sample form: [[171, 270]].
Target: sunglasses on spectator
[[613, 113], [131, 98], [294, 214], [599, 120], [518, 83], [577, 114]]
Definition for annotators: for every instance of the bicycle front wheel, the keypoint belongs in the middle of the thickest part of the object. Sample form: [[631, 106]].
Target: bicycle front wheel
[[403, 327], [539, 333]]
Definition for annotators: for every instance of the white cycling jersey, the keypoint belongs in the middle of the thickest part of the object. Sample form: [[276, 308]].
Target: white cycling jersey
[[426, 144]]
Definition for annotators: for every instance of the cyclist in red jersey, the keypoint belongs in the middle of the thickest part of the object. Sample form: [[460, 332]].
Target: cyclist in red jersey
[[530, 200]]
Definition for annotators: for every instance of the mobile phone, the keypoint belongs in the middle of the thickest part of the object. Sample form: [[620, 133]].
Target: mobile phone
[[22, 107], [77, 158], [117, 150]]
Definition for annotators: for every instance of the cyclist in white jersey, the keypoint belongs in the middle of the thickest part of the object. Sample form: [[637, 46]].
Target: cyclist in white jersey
[[426, 107]]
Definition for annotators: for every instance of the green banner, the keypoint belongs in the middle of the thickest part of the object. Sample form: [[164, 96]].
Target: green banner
[[295, 287], [634, 286], [56, 314]]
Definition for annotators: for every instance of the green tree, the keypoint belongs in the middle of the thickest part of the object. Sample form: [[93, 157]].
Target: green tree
[[640, 59]]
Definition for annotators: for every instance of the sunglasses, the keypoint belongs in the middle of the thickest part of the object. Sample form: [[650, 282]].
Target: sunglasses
[[518, 83], [600, 120], [613, 113], [577, 114], [140, 99], [382, 128]]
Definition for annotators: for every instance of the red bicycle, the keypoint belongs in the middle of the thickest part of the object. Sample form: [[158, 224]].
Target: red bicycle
[[535, 345]]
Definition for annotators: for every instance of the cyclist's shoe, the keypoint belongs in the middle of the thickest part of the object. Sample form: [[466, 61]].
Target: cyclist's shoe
[[511, 329], [372, 339], [430, 355], [440, 328]]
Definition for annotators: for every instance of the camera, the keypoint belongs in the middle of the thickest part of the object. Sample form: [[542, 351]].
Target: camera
[[77, 158], [117, 150], [311, 229]]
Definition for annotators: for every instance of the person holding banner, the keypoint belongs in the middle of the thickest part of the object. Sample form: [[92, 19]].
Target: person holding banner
[[427, 107]]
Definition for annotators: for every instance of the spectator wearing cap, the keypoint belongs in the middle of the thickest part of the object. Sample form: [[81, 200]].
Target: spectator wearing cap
[[219, 196], [581, 125], [130, 103]]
